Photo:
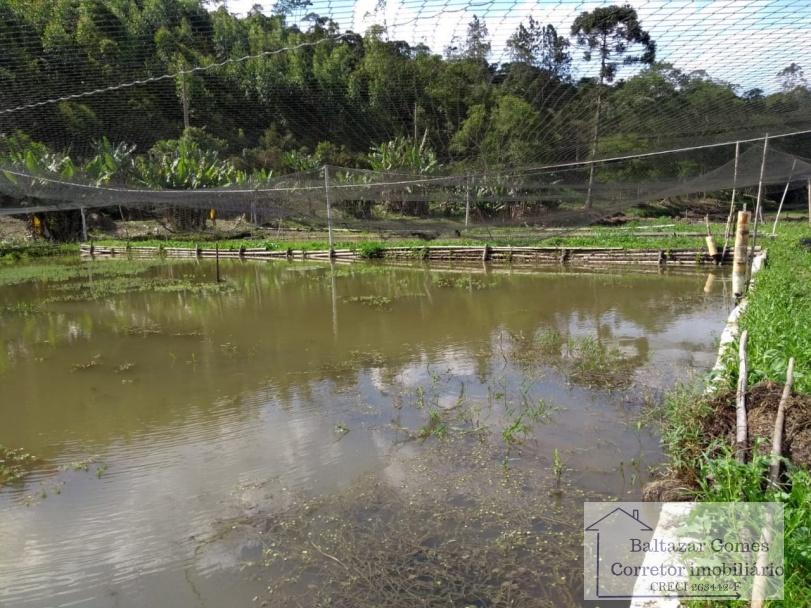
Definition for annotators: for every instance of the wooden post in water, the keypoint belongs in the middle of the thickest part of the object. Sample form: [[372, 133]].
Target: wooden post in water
[[728, 229], [217, 259], [740, 253], [783, 198], [740, 401]]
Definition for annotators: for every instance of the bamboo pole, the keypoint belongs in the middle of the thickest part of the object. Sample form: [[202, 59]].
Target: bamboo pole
[[728, 228], [740, 254], [217, 258], [777, 436], [783, 198], [759, 201], [740, 401], [808, 186], [711, 248]]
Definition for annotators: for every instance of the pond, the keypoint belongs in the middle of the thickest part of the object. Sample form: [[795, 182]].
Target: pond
[[359, 435]]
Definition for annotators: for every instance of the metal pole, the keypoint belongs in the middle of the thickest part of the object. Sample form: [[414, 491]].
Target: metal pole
[[759, 198], [329, 208], [84, 224], [728, 228], [783, 198], [467, 202]]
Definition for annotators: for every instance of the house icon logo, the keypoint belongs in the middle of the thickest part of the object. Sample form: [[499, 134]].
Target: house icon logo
[[611, 533]]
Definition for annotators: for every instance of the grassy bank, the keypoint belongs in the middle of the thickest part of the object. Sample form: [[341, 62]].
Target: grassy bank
[[778, 319]]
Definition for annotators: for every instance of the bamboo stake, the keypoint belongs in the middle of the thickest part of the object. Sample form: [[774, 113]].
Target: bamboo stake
[[739, 264], [728, 228], [783, 198], [740, 401], [777, 436], [808, 185], [217, 257], [711, 248]]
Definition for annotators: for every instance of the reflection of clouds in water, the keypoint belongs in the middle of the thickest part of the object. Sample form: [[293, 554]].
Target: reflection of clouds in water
[[446, 363]]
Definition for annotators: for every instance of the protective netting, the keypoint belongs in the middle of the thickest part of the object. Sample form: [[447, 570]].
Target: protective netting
[[423, 112]]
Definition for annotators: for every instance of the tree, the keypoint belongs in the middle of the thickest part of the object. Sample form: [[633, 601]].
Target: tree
[[610, 31], [477, 43], [541, 47], [792, 77]]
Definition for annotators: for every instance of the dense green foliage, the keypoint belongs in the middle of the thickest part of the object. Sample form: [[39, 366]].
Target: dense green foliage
[[778, 316], [339, 97]]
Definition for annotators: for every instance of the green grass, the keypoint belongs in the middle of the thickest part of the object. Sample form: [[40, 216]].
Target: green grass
[[778, 316], [778, 319]]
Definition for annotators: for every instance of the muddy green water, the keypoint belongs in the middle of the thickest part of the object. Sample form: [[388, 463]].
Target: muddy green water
[[162, 418]]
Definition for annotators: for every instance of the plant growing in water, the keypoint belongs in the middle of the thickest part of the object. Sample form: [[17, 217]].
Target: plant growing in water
[[14, 464]]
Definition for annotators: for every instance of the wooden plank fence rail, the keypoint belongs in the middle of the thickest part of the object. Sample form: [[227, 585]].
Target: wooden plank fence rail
[[524, 255]]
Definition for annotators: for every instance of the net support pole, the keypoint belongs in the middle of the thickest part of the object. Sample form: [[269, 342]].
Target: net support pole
[[329, 211], [84, 224], [467, 203], [783, 198], [759, 201], [728, 228]]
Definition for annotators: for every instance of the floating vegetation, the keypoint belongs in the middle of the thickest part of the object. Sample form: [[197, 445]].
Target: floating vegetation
[[100, 289], [124, 367], [359, 358], [82, 464], [371, 301], [468, 282], [144, 330], [69, 269], [94, 362], [15, 463], [584, 360], [20, 308], [596, 364]]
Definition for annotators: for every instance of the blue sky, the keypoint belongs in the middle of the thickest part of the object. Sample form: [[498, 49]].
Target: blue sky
[[745, 42]]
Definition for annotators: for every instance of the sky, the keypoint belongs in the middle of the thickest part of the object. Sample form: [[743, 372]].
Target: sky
[[745, 42]]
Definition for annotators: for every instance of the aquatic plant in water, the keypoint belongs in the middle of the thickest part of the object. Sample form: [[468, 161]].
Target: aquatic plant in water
[[15, 463]]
